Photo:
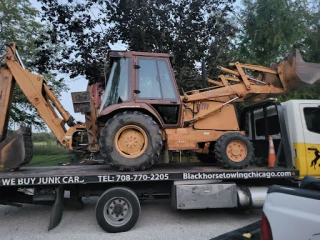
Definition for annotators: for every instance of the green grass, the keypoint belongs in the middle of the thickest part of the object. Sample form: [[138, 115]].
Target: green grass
[[40, 143], [50, 148], [50, 154], [49, 160]]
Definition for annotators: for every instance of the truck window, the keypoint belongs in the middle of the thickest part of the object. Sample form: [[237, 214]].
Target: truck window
[[312, 117], [273, 126]]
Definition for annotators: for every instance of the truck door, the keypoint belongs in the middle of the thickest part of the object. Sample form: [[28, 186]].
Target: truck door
[[310, 117]]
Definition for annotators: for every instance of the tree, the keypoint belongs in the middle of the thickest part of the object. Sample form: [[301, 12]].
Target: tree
[[18, 23], [270, 29], [184, 27], [311, 43], [43, 137], [221, 49]]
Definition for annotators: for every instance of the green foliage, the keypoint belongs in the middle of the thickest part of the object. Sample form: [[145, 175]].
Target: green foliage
[[311, 42], [271, 29], [19, 23], [47, 152], [49, 148], [43, 137], [309, 92], [262, 32], [187, 28]]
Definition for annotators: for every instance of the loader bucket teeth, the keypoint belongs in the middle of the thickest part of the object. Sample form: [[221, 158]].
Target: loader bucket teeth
[[294, 72], [16, 150]]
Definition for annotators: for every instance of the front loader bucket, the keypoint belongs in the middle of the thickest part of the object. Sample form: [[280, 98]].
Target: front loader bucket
[[16, 150], [295, 73]]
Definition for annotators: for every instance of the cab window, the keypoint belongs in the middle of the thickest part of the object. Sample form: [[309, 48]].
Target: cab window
[[312, 117], [155, 80], [117, 90]]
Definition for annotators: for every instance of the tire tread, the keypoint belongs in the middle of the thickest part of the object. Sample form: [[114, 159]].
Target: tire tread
[[156, 149], [220, 147]]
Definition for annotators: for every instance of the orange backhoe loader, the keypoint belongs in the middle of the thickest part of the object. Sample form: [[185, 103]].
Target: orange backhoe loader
[[140, 111]]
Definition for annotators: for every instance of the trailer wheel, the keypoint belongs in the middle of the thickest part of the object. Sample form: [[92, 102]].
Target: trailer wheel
[[131, 141], [234, 150], [118, 210]]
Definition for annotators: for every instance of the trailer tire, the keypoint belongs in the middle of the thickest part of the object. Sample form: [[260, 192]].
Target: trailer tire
[[135, 132], [234, 150], [118, 210]]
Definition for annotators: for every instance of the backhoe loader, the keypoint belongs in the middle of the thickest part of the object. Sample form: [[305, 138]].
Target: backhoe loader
[[140, 112]]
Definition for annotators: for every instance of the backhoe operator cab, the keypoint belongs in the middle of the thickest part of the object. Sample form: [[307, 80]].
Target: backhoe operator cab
[[142, 81], [140, 99]]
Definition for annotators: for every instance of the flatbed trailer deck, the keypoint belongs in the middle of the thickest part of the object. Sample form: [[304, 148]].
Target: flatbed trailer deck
[[189, 186], [88, 174]]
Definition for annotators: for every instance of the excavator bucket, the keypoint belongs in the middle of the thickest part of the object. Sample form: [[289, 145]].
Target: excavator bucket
[[295, 73], [16, 149]]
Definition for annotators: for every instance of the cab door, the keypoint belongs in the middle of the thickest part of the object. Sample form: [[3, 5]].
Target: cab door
[[310, 117], [156, 86]]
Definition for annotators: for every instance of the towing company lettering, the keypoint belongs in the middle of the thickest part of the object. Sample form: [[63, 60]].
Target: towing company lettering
[[41, 180], [32, 181], [236, 175]]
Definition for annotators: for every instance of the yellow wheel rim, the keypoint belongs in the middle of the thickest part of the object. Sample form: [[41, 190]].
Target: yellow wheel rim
[[131, 141], [236, 151]]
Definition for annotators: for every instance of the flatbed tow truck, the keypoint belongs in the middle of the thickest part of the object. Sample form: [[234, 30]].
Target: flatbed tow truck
[[139, 114], [189, 186]]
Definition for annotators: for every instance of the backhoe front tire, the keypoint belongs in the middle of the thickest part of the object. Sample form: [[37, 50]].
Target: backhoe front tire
[[234, 150], [131, 141]]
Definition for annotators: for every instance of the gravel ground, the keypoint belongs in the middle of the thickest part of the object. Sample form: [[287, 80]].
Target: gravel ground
[[157, 221]]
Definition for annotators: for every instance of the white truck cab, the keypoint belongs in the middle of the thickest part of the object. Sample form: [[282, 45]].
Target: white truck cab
[[302, 121]]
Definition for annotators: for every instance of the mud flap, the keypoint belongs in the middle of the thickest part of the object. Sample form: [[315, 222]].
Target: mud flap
[[57, 209], [16, 150]]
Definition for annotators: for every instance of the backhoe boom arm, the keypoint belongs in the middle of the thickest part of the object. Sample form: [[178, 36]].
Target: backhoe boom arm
[[40, 95]]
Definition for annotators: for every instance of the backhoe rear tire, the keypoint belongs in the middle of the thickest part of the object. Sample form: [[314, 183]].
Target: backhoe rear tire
[[131, 141], [234, 150]]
